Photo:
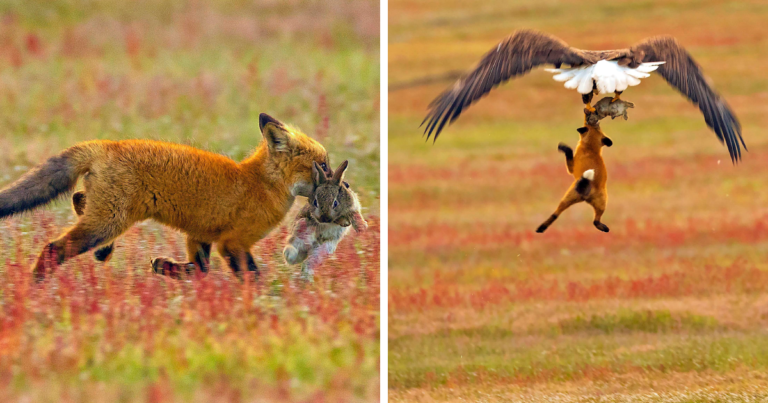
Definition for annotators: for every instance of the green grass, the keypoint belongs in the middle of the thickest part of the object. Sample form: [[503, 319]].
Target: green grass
[[630, 321], [493, 356]]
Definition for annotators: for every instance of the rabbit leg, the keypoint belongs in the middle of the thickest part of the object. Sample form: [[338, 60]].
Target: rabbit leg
[[316, 257], [298, 244]]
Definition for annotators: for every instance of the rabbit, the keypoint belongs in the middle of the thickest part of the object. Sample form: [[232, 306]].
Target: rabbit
[[608, 107], [322, 223]]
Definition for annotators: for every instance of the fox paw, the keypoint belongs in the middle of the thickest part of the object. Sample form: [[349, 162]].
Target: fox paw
[[168, 267], [104, 254], [601, 226], [565, 149]]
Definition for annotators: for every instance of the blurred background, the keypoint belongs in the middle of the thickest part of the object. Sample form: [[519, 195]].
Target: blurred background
[[198, 73], [673, 298]]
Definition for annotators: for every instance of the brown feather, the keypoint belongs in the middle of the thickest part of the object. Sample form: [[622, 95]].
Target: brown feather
[[514, 56], [523, 50], [683, 73]]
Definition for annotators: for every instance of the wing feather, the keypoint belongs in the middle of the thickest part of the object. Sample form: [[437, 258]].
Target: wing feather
[[683, 73], [514, 56]]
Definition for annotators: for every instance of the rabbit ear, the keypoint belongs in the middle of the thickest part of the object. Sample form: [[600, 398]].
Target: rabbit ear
[[318, 174], [338, 174]]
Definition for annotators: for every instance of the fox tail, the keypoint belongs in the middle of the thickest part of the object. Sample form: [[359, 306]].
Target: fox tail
[[49, 180], [584, 184]]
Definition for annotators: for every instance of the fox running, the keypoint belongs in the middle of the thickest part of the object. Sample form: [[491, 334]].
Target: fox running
[[207, 196], [588, 169]]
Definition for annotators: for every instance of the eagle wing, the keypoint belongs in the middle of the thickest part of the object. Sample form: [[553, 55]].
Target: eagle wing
[[514, 56], [683, 73]]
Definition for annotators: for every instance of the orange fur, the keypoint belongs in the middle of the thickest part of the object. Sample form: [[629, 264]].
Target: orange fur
[[207, 196], [588, 156]]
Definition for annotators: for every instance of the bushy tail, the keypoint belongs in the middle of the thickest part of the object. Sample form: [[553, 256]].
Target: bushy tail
[[45, 182], [584, 184]]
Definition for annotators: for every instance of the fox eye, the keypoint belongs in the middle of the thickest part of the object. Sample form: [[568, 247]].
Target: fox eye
[[335, 203], [325, 167], [315, 202]]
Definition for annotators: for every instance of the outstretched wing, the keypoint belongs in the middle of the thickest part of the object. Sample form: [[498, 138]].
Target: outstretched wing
[[514, 56], [683, 73]]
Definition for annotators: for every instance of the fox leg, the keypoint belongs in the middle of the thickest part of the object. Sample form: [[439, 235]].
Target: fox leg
[[238, 259], [86, 234], [102, 254], [568, 151], [571, 197], [598, 203], [198, 253]]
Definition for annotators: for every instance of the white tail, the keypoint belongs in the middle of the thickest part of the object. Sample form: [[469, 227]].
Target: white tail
[[589, 174], [608, 76]]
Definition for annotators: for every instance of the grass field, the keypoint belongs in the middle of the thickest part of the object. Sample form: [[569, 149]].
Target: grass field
[[671, 305], [197, 73]]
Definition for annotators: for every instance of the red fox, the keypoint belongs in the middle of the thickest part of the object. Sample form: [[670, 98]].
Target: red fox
[[209, 197], [587, 167]]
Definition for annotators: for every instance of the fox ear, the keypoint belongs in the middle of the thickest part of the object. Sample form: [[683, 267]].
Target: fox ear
[[318, 174], [607, 142], [582, 130], [338, 174], [274, 133]]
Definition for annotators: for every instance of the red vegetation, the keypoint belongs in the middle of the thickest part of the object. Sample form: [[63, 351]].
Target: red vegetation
[[667, 169], [738, 278], [89, 314], [649, 233]]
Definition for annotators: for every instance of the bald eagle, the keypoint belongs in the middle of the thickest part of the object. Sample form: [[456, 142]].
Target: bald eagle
[[589, 72]]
